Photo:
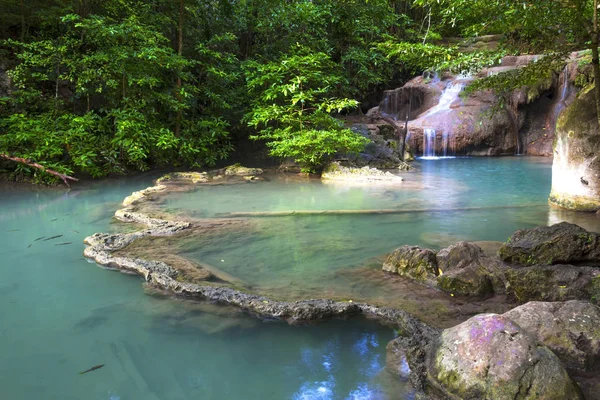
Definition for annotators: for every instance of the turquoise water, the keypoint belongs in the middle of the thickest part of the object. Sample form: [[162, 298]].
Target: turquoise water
[[62, 315], [299, 256]]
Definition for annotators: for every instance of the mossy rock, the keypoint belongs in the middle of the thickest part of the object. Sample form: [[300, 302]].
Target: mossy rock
[[239, 170], [491, 357], [562, 243], [194, 177]]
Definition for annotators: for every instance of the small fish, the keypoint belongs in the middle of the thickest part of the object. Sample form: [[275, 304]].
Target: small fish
[[14, 230], [95, 367], [74, 231], [29, 246], [55, 219], [40, 238], [63, 244], [53, 237]]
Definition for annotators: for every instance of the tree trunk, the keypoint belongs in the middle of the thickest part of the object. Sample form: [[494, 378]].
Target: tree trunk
[[596, 61], [180, 53], [27, 162], [23, 28]]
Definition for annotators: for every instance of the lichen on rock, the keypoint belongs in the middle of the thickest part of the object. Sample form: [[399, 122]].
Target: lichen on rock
[[491, 357], [570, 329], [562, 243]]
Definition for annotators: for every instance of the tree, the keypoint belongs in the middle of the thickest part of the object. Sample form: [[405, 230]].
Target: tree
[[292, 108], [553, 28]]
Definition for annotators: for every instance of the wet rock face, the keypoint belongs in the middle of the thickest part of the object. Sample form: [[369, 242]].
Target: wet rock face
[[562, 243], [571, 330], [576, 165], [491, 357]]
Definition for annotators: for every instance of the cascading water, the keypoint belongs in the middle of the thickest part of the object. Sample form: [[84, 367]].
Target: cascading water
[[445, 143], [429, 143], [449, 95], [561, 103]]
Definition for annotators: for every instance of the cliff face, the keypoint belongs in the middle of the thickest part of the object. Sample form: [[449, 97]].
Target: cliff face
[[444, 122], [576, 167]]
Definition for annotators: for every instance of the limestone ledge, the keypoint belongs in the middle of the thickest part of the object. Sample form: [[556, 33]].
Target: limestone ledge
[[101, 246], [337, 172]]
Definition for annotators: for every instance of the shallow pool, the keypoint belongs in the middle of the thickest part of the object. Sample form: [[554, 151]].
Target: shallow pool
[[62, 315], [338, 255]]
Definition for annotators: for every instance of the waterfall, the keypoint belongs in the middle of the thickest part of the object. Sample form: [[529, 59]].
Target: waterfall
[[445, 143], [449, 94], [429, 143], [560, 104]]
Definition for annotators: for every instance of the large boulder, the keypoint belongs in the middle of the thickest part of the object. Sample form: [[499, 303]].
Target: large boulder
[[576, 165], [466, 270], [562, 243], [382, 149], [552, 283], [462, 269], [491, 357], [570, 329], [413, 262]]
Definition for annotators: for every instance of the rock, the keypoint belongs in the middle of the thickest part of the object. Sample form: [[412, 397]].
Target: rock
[[552, 283], [562, 243], [335, 171], [194, 177], [491, 357], [466, 270], [462, 269], [413, 262], [576, 165], [570, 329], [239, 170], [142, 195], [381, 151]]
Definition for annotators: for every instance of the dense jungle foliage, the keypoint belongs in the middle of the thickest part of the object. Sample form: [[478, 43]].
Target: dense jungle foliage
[[99, 87]]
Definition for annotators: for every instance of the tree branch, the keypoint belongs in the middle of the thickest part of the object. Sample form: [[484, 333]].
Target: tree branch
[[65, 178]]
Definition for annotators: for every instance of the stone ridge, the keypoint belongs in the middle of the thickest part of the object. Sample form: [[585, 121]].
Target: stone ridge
[[101, 246]]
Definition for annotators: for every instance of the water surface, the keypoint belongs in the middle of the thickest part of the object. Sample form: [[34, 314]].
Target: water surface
[[62, 315]]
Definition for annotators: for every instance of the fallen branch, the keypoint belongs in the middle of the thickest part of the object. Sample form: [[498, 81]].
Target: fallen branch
[[27, 162], [377, 211]]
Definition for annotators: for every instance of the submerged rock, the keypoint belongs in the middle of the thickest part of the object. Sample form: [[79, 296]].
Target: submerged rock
[[491, 357], [562, 243], [571, 330], [336, 171]]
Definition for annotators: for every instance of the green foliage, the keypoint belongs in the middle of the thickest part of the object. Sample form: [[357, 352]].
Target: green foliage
[[101, 98], [292, 108]]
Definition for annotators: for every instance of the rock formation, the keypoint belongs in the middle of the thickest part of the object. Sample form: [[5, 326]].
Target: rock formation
[[576, 166]]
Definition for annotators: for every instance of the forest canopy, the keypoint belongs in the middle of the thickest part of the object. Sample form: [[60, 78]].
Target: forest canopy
[[99, 87]]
